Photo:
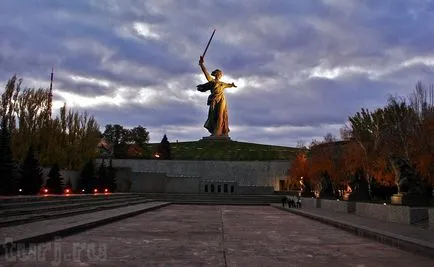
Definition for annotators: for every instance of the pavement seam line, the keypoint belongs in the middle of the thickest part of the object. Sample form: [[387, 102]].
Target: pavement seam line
[[223, 237]]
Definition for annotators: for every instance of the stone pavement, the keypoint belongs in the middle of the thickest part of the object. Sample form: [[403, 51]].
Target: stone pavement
[[198, 235], [45, 230], [406, 237]]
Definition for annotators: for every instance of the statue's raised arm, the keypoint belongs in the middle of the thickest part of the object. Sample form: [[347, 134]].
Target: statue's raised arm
[[204, 70]]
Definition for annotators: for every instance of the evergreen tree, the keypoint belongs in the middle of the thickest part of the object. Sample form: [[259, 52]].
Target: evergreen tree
[[111, 177], [327, 190], [9, 178], [69, 185], [102, 177], [55, 180], [164, 150], [31, 174], [88, 179]]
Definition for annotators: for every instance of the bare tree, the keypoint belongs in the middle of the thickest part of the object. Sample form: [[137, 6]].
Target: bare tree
[[346, 133]]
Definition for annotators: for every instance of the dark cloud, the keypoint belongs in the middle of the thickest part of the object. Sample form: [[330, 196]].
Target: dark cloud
[[172, 113], [306, 65]]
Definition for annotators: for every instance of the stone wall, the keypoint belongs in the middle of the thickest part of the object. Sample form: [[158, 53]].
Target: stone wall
[[124, 180], [388, 213], [311, 202], [338, 206], [371, 210], [409, 215], [148, 182], [183, 185], [392, 213], [244, 173], [255, 190], [431, 217]]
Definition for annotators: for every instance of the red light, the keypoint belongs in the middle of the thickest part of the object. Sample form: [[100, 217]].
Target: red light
[[106, 190], [45, 190], [67, 191], [95, 190]]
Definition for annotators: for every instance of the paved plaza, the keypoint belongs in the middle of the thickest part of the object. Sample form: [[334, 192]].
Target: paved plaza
[[202, 235]]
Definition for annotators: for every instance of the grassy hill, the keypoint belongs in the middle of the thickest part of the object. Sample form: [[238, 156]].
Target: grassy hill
[[228, 150]]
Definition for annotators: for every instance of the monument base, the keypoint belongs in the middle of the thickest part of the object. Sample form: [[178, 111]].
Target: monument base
[[216, 138]]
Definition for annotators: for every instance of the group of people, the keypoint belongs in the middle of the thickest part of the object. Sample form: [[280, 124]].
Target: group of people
[[292, 202]]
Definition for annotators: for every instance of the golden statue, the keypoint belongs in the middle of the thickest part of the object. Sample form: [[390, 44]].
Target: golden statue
[[217, 122]]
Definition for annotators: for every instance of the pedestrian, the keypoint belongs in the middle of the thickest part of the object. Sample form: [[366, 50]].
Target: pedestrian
[[283, 201], [298, 205]]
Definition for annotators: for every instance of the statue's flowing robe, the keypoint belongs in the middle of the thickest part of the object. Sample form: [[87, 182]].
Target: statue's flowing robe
[[217, 122]]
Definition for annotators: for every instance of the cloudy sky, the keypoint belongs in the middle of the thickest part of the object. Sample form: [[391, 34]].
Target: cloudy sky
[[302, 67]]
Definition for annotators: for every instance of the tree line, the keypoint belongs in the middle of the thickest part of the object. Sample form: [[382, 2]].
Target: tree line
[[133, 143], [127, 142], [30, 138], [404, 128], [68, 140]]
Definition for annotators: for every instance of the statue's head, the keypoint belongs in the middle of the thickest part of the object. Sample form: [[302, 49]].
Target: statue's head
[[217, 73]]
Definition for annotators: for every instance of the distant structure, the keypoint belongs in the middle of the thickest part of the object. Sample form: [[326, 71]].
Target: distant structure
[[164, 149], [50, 95]]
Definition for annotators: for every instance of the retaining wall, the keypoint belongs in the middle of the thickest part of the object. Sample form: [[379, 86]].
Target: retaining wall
[[124, 180], [244, 173], [311, 202], [148, 182], [255, 190], [431, 217], [338, 206], [392, 213], [182, 185], [161, 183]]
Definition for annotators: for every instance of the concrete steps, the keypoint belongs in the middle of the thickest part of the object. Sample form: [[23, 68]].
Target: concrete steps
[[215, 199], [44, 207], [20, 236], [36, 210], [23, 201]]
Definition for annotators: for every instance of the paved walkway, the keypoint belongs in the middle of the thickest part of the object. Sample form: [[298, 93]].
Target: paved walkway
[[198, 235], [407, 237]]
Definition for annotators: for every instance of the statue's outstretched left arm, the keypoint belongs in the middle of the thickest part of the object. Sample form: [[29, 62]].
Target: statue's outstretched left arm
[[229, 85]]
